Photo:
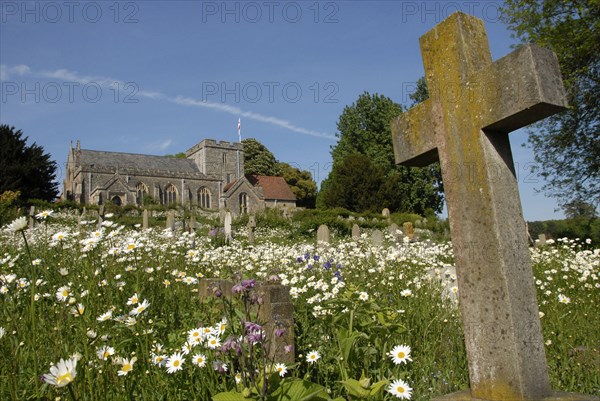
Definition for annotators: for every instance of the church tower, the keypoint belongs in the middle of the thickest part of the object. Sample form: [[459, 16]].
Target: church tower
[[222, 160]]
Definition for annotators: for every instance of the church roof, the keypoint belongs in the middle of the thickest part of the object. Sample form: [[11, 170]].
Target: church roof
[[273, 187], [136, 161]]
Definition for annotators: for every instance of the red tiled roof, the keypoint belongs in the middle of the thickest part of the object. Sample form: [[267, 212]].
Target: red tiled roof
[[226, 188], [273, 187]]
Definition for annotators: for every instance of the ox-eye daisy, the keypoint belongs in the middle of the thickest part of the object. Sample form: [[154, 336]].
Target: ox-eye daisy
[[199, 360], [400, 389], [313, 356], [126, 366], [62, 373], [400, 354], [175, 362]]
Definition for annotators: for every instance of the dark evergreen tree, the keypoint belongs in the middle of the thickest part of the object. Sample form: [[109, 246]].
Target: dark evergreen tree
[[258, 159], [25, 168]]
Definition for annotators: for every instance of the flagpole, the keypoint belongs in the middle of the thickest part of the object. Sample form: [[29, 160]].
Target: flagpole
[[239, 130]]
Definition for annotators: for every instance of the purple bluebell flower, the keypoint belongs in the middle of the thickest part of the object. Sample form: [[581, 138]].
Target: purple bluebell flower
[[247, 284], [316, 257], [299, 259], [327, 265], [306, 256], [237, 289]]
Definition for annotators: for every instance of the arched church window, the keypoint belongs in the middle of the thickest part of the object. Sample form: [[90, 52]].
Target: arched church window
[[141, 190], [116, 200], [204, 198], [243, 203], [170, 194]]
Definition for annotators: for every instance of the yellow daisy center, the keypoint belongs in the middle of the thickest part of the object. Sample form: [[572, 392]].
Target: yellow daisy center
[[64, 379], [130, 247], [176, 363], [401, 354], [65, 293], [400, 389], [126, 367], [106, 354]]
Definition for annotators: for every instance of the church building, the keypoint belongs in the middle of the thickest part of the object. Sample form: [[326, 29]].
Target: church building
[[210, 177]]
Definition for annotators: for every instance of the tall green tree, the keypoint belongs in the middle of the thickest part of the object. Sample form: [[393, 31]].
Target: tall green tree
[[567, 145], [258, 159], [365, 128], [301, 183], [24, 168]]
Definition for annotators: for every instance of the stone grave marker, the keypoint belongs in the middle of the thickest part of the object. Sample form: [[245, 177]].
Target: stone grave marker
[[227, 227], [101, 210], [473, 104], [192, 222], [418, 224], [170, 225], [394, 231], [385, 213], [355, 231], [99, 223], [541, 241], [31, 216], [251, 227], [377, 238], [408, 230], [276, 312], [323, 234], [145, 219]]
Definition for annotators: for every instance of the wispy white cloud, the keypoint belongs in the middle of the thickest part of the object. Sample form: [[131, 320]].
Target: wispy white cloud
[[159, 145], [73, 76], [6, 72]]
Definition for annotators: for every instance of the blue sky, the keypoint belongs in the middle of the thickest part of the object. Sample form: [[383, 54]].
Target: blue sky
[[156, 77]]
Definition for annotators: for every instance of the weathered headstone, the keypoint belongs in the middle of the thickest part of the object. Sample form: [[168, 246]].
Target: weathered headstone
[[145, 219], [377, 238], [170, 225], [251, 227], [227, 227], [408, 230], [355, 231], [31, 216], [473, 104], [541, 241], [385, 212], [395, 231], [418, 223], [99, 223], [323, 234], [276, 314], [101, 210], [192, 222]]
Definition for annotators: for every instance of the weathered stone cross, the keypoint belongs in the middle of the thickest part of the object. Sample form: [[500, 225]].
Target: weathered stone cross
[[472, 107]]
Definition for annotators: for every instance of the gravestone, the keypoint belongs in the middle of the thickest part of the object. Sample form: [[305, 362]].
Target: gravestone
[[323, 234], [192, 223], [541, 241], [101, 210], [418, 223], [170, 225], [145, 219], [355, 231], [377, 238], [385, 212], [275, 312], [251, 227], [99, 223], [31, 216], [227, 227], [408, 230], [395, 231], [473, 104]]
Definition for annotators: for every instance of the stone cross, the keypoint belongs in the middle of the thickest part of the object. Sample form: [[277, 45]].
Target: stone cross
[[145, 219], [474, 103], [323, 234], [355, 231], [227, 227], [377, 238]]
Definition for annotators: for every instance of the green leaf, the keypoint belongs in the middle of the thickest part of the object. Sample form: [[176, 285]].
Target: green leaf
[[230, 396], [378, 387], [355, 389], [298, 390]]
